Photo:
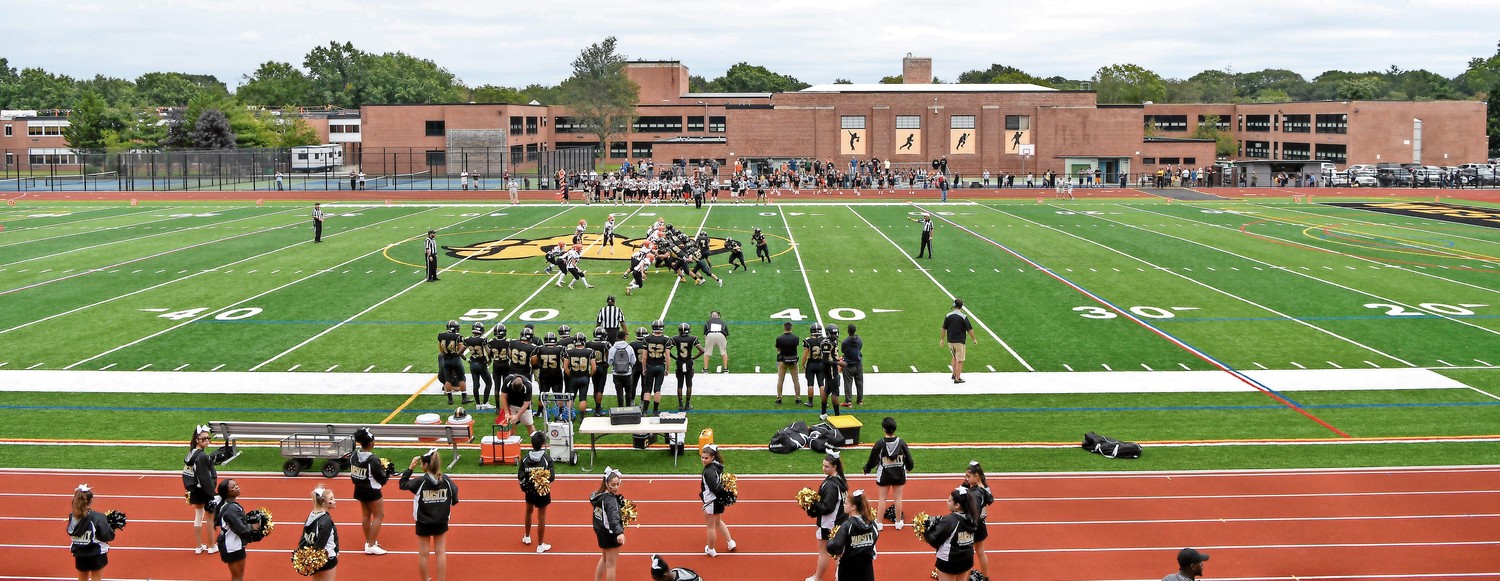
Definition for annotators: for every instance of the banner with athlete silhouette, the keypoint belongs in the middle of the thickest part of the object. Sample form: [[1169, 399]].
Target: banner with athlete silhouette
[[963, 141], [852, 141], [1014, 139], [908, 142]]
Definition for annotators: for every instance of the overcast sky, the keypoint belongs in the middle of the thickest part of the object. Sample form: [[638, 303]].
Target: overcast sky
[[515, 43]]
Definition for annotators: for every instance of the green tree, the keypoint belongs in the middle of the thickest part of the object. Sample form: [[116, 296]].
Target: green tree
[[338, 73], [891, 80], [35, 88], [1360, 88], [600, 97], [1128, 84], [275, 84], [399, 78], [1224, 145], [90, 121], [1483, 77], [1211, 86], [212, 131], [748, 78], [544, 94], [118, 93], [176, 89], [843, 82], [1252, 85], [1272, 96], [494, 94], [1000, 74], [698, 84]]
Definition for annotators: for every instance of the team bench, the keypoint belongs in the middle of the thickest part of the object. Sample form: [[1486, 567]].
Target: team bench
[[450, 434]]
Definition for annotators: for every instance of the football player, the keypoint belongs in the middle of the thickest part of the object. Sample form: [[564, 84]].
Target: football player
[[570, 264], [451, 362], [600, 345], [479, 366], [639, 369], [812, 362], [609, 233], [761, 251], [565, 336], [832, 365], [583, 226], [736, 255], [654, 373], [685, 351], [499, 357], [521, 350], [579, 367], [548, 361]]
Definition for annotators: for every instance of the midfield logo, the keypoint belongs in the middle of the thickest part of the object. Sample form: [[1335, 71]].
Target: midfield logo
[[593, 247]]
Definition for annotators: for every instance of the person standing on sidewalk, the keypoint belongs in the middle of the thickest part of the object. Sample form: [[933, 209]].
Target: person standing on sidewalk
[[955, 326]]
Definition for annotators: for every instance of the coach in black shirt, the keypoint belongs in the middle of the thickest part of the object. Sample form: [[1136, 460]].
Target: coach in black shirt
[[786, 359], [955, 326]]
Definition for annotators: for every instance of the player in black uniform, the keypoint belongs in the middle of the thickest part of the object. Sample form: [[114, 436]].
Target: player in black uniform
[[451, 362], [499, 358], [685, 353], [479, 366], [761, 250], [554, 258], [579, 366], [854, 543], [736, 255], [891, 455], [832, 364], [601, 371], [639, 369], [812, 364], [435, 494], [565, 337], [521, 349], [548, 361], [655, 371]]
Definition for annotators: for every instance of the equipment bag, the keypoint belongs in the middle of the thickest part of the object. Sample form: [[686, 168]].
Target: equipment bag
[[1110, 447], [823, 436], [790, 438]]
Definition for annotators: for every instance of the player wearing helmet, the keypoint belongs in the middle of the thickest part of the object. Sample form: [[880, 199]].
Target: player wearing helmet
[[565, 336], [736, 255], [639, 369], [639, 263], [600, 345], [655, 371], [578, 367], [609, 234], [700, 263], [548, 361], [479, 366], [451, 362], [499, 358], [570, 266], [832, 365], [554, 259], [521, 350], [685, 353], [812, 361], [762, 252], [583, 226]]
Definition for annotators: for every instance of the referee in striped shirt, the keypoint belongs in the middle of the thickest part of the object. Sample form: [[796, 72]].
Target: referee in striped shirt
[[926, 223], [612, 319], [317, 216], [432, 255]]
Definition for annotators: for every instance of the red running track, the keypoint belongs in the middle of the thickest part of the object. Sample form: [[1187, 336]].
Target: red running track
[[1379, 523]]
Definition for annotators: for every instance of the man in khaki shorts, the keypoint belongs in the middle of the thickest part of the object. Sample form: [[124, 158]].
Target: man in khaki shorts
[[955, 326], [787, 360], [715, 336]]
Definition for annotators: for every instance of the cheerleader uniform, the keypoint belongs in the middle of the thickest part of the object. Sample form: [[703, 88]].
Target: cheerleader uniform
[[711, 489], [953, 537], [608, 524], [535, 459], [893, 459], [233, 533], [855, 540], [199, 477], [319, 533], [91, 535], [432, 502], [982, 530], [828, 511], [369, 476]]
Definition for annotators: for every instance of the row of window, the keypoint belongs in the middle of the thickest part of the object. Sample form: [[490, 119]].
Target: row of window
[[39, 131], [343, 129], [1012, 122], [1332, 152], [1169, 161], [1329, 123]]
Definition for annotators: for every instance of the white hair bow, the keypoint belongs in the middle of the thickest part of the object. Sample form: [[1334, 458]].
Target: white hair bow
[[201, 429], [83, 488]]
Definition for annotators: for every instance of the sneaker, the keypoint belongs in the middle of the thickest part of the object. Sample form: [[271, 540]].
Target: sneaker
[[544, 547], [710, 551], [570, 286], [199, 550], [823, 417], [526, 540], [898, 525], [959, 381], [847, 404], [807, 403], [559, 283], [778, 401], [375, 549], [732, 545], [587, 285], [214, 548], [721, 281]]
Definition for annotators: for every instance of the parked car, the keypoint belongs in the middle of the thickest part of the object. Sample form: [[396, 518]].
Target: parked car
[[1394, 177], [1365, 180], [1334, 179]]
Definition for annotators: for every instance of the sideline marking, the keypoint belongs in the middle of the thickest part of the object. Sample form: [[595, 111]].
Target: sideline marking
[[268, 228], [817, 314], [408, 401]]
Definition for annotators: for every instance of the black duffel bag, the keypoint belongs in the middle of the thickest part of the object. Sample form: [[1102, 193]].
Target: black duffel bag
[[1110, 447]]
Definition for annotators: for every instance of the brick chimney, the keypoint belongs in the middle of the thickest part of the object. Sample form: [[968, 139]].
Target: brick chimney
[[916, 70]]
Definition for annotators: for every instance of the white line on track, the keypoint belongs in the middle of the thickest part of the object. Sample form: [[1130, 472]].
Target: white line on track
[[817, 314], [1209, 286], [398, 293], [940, 286], [677, 282], [201, 272], [138, 238]]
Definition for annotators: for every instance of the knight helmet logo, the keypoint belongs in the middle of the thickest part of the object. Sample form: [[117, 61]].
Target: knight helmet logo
[[517, 248]]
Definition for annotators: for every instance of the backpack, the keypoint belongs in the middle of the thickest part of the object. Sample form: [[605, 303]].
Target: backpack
[[1110, 447], [620, 361]]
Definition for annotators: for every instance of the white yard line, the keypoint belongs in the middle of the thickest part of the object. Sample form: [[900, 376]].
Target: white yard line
[[817, 314], [678, 281], [1327, 282], [68, 224], [1209, 286], [138, 238], [398, 294], [1353, 212], [201, 272]]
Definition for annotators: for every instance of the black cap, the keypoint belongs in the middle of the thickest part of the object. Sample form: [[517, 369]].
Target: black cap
[[1187, 557], [432, 231]]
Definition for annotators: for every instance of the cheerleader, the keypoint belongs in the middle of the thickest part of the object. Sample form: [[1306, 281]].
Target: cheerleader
[[979, 488], [234, 533], [536, 458], [715, 497], [893, 458], [200, 478], [661, 572], [433, 496], [854, 543], [91, 534], [609, 525], [318, 532], [826, 511], [953, 535], [369, 475]]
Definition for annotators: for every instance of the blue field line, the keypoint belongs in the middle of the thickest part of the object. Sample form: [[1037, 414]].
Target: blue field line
[[787, 411]]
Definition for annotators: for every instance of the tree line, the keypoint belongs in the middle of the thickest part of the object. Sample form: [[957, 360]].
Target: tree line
[[341, 76]]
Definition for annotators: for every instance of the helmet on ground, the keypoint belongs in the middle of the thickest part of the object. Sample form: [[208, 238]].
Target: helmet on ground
[[598, 333], [564, 330], [478, 328], [550, 338], [640, 332], [452, 326], [684, 329], [579, 338], [657, 326], [815, 329], [499, 330]]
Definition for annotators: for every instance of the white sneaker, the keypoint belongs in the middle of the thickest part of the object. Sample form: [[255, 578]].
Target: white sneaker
[[898, 525], [707, 550], [375, 549], [570, 285], [823, 417], [544, 547], [559, 283], [214, 548], [732, 545], [721, 282], [587, 285], [526, 540], [199, 550]]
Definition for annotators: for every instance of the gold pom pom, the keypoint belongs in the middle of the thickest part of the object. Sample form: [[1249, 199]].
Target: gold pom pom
[[919, 525], [807, 497], [388, 465], [731, 484], [628, 512], [307, 560], [870, 514], [541, 480]]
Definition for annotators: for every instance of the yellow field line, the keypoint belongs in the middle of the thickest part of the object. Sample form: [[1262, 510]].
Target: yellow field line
[[408, 401]]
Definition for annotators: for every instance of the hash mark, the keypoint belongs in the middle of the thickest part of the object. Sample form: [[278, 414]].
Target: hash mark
[[1484, 363], [1299, 365], [1106, 367], [294, 367], [367, 369], [35, 366], [217, 367], [1184, 367], [1335, 365], [106, 367], [1148, 367], [408, 368], [913, 369], [143, 367], [1372, 364], [1067, 367], [990, 367], [875, 367], [181, 367], [1257, 364], [335, 366], [1445, 363]]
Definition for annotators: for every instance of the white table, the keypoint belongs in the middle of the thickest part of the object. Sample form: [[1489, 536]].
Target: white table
[[598, 427]]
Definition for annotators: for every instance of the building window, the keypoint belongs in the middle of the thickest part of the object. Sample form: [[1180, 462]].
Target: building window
[[10, 159], [1170, 161], [517, 154], [1257, 123], [1258, 149], [1017, 122], [1335, 123], [695, 123], [1334, 152], [656, 124], [1221, 125], [852, 122], [436, 128], [716, 124], [640, 149], [1291, 150], [9, 130], [515, 125], [437, 157], [617, 150], [908, 122], [1190, 161], [567, 125], [1167, 122], [1148, 161], [34, 130], [343, 129], [531, 123], [1297, 124], [960, 121]]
